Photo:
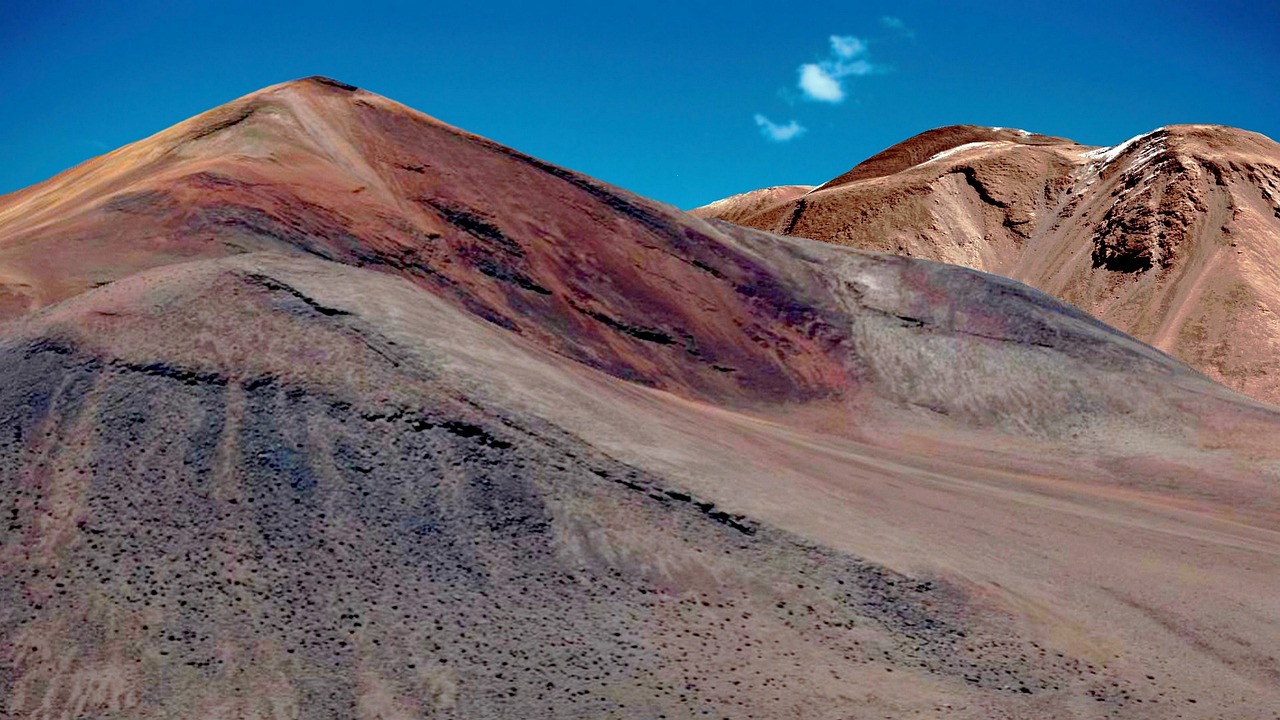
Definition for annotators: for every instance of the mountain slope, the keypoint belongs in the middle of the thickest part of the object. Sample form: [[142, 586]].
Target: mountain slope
[[1171, 237], [369, 417], [316, 168]]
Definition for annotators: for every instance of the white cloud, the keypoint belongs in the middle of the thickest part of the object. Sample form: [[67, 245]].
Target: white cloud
[[818, 84], [821, 81], [776, 132], [847, 46]]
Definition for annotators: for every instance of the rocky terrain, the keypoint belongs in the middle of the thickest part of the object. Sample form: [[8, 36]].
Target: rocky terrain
[[1171, 236], [315, 406]]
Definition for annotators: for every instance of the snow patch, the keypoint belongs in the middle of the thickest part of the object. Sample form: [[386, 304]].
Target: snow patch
[[1151, 144], [959, 149], [1102, 157]]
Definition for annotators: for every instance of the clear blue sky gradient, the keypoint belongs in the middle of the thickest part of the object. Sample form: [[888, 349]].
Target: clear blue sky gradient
[[657, 97]]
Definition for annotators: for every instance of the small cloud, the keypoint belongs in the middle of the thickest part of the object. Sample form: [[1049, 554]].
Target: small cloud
[[895, 24], [847, 46], [859, 67], [778, 133], [818, 84], [820, 81]]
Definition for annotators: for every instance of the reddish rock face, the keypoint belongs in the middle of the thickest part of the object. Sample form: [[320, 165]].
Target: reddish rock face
[[1169, 237], [590, 271]]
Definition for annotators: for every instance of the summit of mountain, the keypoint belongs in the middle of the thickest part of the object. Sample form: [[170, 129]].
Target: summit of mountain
[[932, 143]]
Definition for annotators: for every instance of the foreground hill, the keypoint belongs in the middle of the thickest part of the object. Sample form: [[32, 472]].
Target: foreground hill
[[1172, 237], [316, 406]]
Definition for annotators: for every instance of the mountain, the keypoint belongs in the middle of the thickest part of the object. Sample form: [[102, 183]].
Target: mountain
[[316, 406], [1171, 237]]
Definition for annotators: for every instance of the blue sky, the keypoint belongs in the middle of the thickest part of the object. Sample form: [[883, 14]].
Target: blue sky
[[685, 102]]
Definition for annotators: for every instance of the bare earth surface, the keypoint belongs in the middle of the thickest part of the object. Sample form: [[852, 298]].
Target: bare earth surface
[[1172, 237], [316, 407]]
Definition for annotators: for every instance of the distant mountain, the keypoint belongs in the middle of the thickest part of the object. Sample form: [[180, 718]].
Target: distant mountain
[[314, 406], [1172, 236]]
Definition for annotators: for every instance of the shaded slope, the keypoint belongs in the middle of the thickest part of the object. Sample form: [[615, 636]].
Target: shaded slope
[[1170, 236]]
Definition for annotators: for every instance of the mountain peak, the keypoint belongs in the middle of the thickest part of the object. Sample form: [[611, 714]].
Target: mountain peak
[[325, 81], [921, 147], [309, 84]]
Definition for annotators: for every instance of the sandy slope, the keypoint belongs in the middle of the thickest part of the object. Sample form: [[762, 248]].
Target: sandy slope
[[1171, 237], [490, 439]]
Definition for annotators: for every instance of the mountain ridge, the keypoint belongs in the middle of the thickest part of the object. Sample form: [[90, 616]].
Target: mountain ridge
[[1168, 236]]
